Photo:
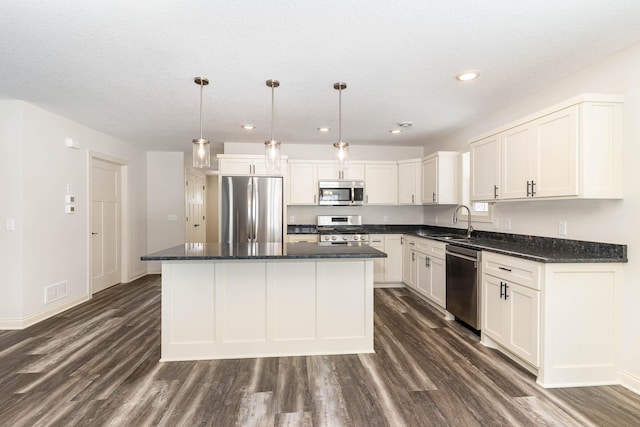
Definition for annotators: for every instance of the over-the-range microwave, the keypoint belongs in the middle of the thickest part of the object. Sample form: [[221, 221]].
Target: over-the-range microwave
[[340, 193]]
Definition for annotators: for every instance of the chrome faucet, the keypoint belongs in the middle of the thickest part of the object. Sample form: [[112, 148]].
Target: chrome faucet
[[455, 218]]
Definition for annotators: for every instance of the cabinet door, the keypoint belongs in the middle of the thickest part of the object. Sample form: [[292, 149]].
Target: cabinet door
[[407, 191], [393, 262], [524, 314], [557, 154], [485, 169], [236, 166], [407, 263], [438, 290], [377, 241], [430, 181], [381, 184], [517, 146], [354, 171], [327, 171], [494, 317], [423, 274], [303, 184]]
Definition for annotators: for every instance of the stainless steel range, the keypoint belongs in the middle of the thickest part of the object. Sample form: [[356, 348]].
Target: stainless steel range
[[341, 229]]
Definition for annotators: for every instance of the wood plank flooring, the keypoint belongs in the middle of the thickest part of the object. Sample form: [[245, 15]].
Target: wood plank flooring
[[97, 365]]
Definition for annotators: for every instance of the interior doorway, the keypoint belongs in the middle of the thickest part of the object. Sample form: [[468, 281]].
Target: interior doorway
[[106, 225], [196, 220]]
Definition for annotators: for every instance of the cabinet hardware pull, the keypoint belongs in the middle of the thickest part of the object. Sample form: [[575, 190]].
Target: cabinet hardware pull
[[412, 243], [314, 199], [495, 191], [367, 198], [434, 197], [93, 234], [505, 269], [528, 191], [533, 188], [401, 240], [413, 256], [506, 295], [501, 292], [413, 198]]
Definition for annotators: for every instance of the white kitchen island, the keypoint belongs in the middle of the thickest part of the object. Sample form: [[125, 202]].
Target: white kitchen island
[[258, 300]]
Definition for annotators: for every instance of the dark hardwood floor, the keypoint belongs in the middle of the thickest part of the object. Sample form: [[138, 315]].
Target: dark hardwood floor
[[97, 364]]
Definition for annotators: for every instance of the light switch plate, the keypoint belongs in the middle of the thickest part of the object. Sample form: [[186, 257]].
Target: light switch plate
[[562, 228], [10, 224]]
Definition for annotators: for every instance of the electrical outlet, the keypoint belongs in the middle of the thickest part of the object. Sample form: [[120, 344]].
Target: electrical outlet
[[436, 220], [562, 228], [507, 224], [496, 224], [385, 219], [10, 224], [292, 219]]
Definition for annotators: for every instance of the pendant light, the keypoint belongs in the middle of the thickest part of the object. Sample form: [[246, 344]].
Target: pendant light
[[272, 147], [201, 147], [341, 148]]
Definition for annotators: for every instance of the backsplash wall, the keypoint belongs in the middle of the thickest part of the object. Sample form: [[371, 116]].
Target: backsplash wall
[[370, 214]]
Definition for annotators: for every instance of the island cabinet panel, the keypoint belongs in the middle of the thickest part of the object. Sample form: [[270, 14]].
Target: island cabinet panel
[[191, 302], [221, 309], [294, 311], [241, 304], [342, 314]]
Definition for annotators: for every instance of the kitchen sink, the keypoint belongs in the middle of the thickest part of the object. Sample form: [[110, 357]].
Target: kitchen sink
[[454, 238]]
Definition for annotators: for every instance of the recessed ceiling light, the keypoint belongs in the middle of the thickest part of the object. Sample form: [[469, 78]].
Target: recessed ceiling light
[[395, 131], [405, 124], [324, 129], [248, 127], [467, 75]]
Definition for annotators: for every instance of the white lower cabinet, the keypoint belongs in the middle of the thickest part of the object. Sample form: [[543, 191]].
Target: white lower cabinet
[[423, 268], [558, 320], [389, 269]]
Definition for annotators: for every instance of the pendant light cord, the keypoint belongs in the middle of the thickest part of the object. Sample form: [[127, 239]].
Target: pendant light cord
[[340, 114], [273, 114], [201, 86]]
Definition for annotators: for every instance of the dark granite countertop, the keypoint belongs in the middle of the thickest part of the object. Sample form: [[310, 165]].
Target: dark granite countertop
[[222, 251], [535, 248]]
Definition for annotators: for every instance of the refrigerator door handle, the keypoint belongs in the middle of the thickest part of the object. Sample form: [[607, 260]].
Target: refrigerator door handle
[[249, 224], [254, 218]]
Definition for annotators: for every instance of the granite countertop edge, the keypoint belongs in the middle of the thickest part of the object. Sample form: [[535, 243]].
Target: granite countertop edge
[[534, 248]]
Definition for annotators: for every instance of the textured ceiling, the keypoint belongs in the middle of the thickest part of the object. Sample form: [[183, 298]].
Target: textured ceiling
[[126, 68]]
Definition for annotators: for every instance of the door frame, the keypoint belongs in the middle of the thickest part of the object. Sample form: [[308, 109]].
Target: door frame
[[124, 214]]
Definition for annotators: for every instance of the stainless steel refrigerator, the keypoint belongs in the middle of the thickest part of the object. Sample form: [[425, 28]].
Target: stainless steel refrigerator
[[251, 209]]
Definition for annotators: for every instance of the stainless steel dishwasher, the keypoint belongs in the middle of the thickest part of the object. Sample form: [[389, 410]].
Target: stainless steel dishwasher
[[463, 277]]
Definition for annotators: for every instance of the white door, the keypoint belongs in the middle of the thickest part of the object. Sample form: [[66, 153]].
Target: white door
[[105, 224], [195, 221]]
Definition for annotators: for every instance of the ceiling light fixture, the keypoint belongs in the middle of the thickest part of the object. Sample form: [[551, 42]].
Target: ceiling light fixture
[[272, 147], [405, 124], [467, 75], [341, 148], [248, 127], [324, 129], [201, 147], [395, 131]]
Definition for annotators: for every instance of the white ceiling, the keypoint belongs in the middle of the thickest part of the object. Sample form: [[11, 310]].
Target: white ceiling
[[126, 67]]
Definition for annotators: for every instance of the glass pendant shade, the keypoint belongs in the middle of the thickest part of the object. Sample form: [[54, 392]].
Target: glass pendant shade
[[341, 149], [201, 147], [272, 147], [272, 155], [341, 154], [201, 153]]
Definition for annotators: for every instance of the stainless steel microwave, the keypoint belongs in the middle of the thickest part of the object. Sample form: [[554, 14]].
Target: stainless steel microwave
[[341, 193]]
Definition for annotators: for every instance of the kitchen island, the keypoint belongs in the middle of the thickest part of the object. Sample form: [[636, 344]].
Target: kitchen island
[[223, 301]]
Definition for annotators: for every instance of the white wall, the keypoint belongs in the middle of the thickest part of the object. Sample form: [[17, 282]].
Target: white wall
[[11, 208], [325, 151], [165, 197], [55, 245], [613, 221]]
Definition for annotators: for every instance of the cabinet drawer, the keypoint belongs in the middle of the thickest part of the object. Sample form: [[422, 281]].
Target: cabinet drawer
[[422, 245], [437, 249], [302, 238], [518, 270]]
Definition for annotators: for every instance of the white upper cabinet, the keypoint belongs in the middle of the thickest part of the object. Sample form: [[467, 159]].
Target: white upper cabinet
[[231, 164], [381, 183], [485, 168], [409, 182], [303, 183], [329, 170], [570, 150], [440, 178]]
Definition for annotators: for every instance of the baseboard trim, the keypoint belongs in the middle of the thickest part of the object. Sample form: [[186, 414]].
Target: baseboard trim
[[31, 320], [137, 276], [630, 381]]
